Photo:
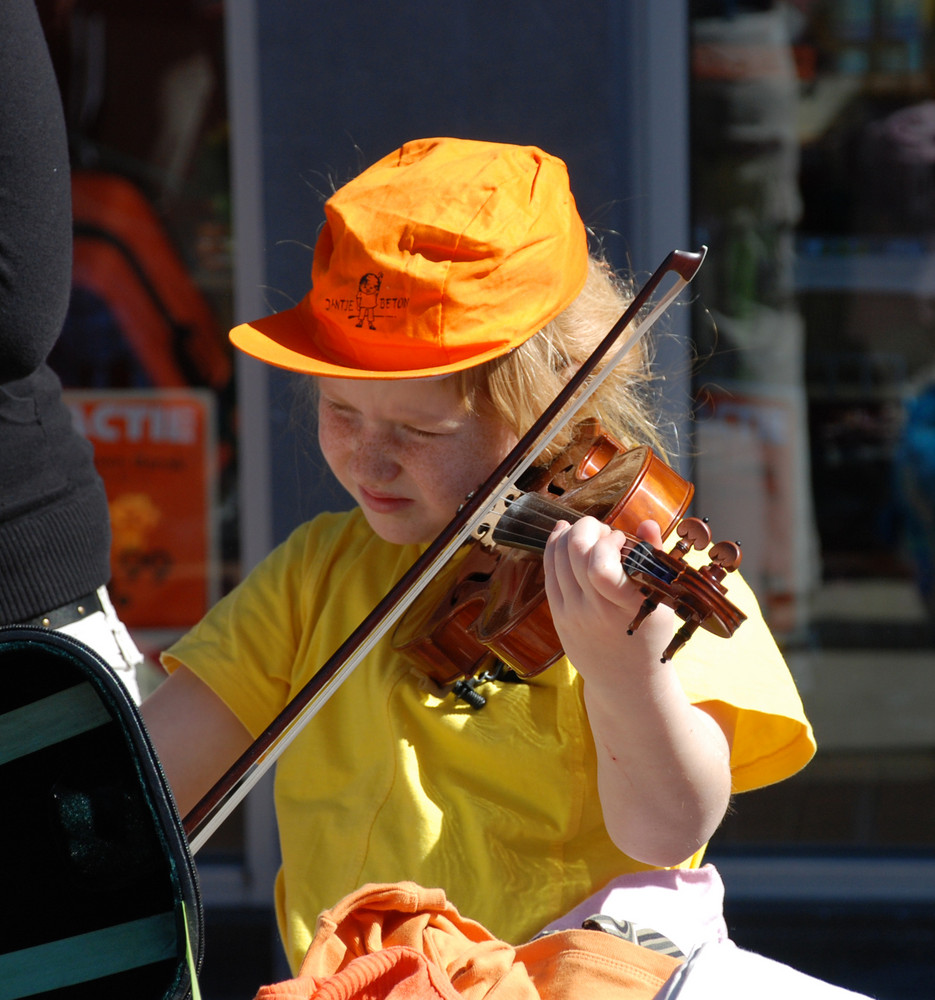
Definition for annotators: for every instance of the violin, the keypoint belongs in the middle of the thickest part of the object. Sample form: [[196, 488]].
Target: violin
[[676, 271], [489, 604]]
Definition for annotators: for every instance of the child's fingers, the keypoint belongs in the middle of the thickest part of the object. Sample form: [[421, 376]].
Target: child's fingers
[[606, 573], [650, 532], [585, 558], [557, 568]]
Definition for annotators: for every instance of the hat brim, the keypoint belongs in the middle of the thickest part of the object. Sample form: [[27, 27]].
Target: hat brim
[[283, 340]]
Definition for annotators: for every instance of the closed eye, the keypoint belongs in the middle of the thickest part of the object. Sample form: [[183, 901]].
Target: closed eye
[[420, 432], [338, 408]]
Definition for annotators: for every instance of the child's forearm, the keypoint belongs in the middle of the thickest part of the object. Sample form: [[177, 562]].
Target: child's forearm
[[663, 764], [197, 737], [663, 767]]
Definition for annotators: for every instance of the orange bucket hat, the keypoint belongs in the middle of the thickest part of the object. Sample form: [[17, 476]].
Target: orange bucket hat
[[442, 255]]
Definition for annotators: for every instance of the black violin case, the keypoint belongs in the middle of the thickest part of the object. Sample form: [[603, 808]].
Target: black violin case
[[99, 895]]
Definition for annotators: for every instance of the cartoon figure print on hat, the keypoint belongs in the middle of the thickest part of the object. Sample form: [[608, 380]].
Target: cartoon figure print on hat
[[454, 250], [367, 297]]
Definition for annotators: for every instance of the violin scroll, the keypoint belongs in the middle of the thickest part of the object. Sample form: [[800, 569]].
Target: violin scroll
[[698, 597]]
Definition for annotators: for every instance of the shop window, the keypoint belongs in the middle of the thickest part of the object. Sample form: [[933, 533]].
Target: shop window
[[813, 181]]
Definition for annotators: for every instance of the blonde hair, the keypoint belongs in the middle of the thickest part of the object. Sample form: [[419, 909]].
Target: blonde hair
[[519, 385]]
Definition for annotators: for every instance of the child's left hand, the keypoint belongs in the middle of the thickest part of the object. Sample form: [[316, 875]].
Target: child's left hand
[[663, 763], [592, 601]]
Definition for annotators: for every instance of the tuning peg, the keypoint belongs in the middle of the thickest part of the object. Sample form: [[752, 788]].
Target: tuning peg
[[693, 533], [680, 638]]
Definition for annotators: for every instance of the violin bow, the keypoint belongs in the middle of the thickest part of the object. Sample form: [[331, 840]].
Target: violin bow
[[240, 778]]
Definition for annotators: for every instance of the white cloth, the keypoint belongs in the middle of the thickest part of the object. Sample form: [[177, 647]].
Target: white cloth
[[106, 634], [726, 972], [684, 904], [687, 906]]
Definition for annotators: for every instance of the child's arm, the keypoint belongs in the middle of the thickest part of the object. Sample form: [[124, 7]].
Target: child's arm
[[197, 737], [663, 763]]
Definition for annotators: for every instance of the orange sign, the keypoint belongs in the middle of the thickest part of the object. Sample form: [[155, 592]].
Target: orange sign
[[156, 452]]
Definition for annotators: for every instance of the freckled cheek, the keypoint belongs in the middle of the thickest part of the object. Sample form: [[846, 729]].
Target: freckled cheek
[[457, 476], [327, 441], [446, 485], [338, 449]]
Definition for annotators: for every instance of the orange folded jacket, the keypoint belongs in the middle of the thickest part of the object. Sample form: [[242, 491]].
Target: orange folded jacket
[[405, 942]]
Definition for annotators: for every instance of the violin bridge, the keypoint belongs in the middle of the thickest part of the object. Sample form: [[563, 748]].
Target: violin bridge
[[484, 532]]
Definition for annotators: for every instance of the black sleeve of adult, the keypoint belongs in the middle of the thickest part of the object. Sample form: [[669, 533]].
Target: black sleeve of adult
[[35, 195]]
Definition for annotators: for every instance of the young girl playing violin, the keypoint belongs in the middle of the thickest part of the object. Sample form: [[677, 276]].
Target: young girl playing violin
[[452, 296]]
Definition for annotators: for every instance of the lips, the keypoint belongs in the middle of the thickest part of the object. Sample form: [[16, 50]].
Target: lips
[[383, 503]]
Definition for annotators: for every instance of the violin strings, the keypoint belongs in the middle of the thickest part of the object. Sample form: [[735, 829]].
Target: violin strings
[[528, 521], [641, 558]]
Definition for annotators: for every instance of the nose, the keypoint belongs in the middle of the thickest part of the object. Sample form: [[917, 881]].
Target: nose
[[373, 459]]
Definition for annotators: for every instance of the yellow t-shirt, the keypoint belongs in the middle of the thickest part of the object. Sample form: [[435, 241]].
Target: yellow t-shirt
[[389, 782]]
